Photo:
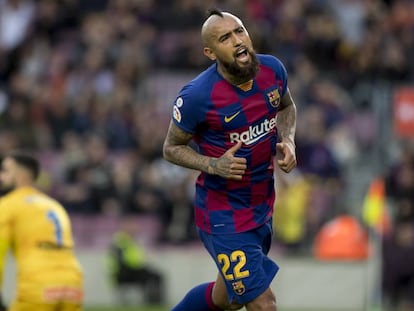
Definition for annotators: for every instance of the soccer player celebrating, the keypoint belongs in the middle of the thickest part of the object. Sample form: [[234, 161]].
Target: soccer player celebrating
[[238, 112], [38, 231]]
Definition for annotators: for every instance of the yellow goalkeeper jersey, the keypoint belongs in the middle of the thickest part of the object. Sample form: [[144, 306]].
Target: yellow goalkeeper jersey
[[37, 229]]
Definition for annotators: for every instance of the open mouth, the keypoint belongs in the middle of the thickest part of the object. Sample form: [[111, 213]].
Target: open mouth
[[242, 55]]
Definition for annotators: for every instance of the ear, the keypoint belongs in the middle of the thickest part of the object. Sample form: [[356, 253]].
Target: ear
[[209, 53]]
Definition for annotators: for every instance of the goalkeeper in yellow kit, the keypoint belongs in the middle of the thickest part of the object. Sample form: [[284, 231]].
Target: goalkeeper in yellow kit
[[37, 230]]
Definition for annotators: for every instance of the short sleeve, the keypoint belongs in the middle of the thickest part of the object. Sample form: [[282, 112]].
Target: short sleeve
[[187, 109]]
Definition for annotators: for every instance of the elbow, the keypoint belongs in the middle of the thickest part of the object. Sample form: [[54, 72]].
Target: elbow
[[166, 152]]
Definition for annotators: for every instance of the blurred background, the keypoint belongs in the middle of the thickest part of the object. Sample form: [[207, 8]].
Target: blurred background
[[88, 86]]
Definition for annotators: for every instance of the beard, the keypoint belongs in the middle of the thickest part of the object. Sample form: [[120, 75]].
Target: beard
[[242, 74]]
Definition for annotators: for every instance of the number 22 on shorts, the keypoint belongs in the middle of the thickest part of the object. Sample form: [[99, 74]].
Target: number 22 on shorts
[[239, 258]]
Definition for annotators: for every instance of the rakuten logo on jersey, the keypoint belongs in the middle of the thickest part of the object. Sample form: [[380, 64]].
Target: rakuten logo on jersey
[[254, 133]]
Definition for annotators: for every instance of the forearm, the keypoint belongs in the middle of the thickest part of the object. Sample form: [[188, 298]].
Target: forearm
[[187, 157], [286, 124], [177, 151]]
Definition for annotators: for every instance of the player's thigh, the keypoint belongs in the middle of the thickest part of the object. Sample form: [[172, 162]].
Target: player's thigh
[[219, 294], [220, 297], [264, 302], [31, 306]]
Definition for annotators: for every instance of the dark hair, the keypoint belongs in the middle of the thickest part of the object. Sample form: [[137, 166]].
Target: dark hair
[[214, 11], [26, 160]]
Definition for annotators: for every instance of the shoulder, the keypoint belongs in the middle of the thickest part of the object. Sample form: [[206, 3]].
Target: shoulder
[[269, 60], [202, 84], [47, 199], [194, 99], [272, 62], [36, 196]]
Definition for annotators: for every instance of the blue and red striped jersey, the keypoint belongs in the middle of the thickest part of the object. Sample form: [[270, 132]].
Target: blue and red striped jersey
[[219, 114]]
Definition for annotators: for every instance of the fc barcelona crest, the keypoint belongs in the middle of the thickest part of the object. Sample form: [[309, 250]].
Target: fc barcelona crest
[[238, 287], [274, 98]]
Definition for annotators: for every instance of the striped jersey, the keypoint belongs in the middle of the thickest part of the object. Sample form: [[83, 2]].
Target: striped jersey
[[219, 114]]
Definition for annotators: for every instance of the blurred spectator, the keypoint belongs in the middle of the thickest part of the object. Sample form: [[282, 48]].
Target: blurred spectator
[[128, 267], [17, 120], [400, 186], [16, 17], [397, 268], [291, 208], [89, 182], [398, 248]]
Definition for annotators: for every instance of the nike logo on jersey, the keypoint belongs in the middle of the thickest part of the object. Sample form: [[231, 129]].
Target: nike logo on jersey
[[228, 119]]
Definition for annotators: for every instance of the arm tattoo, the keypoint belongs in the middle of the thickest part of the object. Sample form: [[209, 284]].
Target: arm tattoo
[[286, 119], [212, 167], [177, 151]]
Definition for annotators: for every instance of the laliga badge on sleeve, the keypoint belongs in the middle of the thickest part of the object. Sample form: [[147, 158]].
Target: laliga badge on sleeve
[[176, 114]]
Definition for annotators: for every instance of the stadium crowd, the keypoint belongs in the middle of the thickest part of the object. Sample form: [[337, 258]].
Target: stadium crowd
[[88, 85]]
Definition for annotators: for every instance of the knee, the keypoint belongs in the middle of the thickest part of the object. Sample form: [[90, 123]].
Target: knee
[[222, 303], [266, 301]]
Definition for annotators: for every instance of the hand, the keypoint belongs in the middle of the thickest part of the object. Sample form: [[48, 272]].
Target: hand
[[288, 162], [228, 166]]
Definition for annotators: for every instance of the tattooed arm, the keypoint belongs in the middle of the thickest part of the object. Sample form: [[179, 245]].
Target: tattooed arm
[[286, 128], [286, 119], [177, 151]]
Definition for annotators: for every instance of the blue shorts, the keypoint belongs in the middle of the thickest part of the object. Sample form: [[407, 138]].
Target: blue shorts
[[242, 261]]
